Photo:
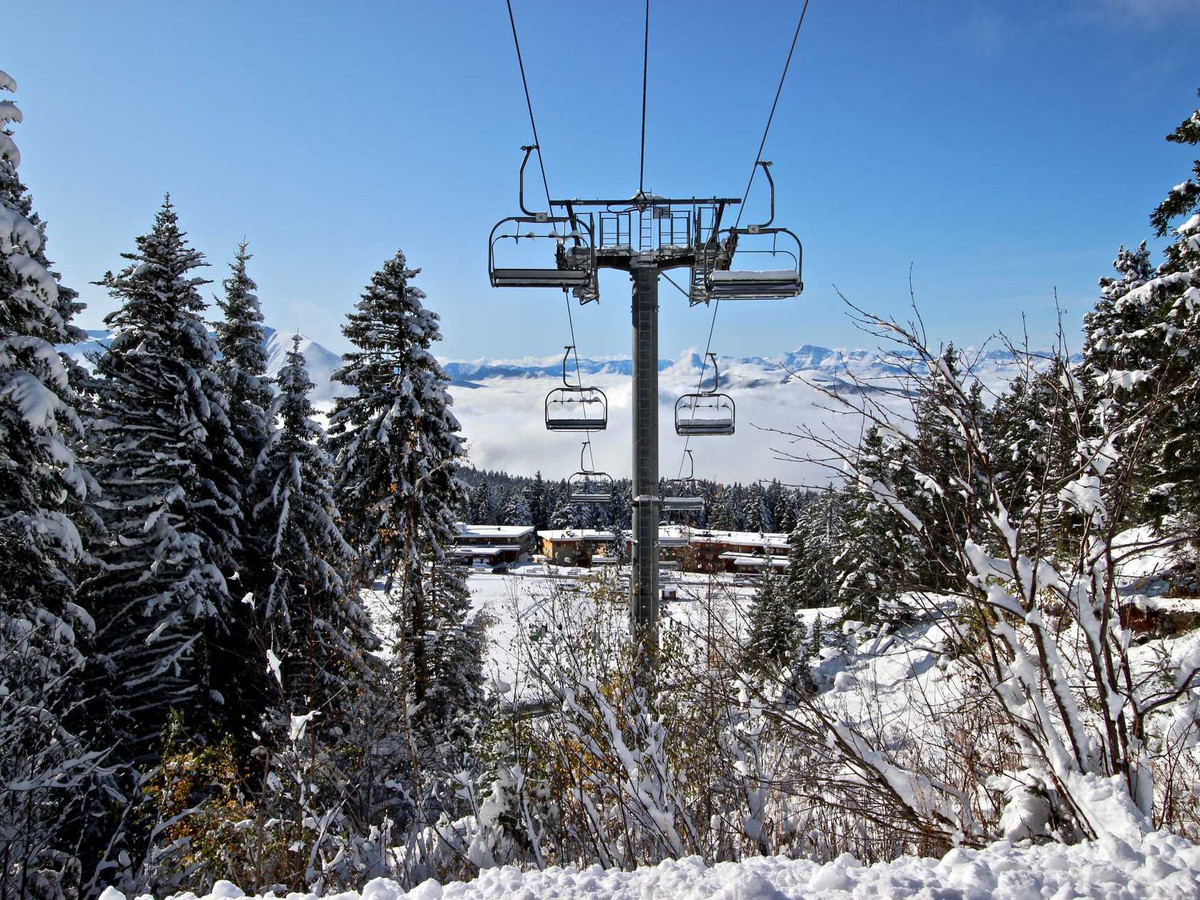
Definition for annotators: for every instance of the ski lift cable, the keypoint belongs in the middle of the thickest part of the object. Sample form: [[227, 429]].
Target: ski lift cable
[[537, 143], [770, 118], [529, 104], [578, 374], [746, 194], [645, 70]]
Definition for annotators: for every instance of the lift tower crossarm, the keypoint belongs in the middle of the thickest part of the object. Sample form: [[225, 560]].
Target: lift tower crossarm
[[648, 201]]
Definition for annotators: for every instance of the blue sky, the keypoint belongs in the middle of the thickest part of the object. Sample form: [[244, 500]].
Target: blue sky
[[1004, 149]]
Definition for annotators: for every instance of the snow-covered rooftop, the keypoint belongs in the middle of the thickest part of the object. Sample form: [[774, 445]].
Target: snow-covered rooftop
[[486, 549], [577, 534], [492, 531], [739, 559]]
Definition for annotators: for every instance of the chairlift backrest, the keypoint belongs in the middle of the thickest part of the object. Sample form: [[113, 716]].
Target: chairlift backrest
[[589, 486], [574, 407], [685, 499], [574, 254], [706, 413]]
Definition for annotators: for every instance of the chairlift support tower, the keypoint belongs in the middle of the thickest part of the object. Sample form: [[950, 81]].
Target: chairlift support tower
[[646, 236]]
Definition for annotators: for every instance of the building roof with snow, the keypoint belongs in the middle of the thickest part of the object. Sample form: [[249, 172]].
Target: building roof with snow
[[492, 532], [674, 535], [591, 535]]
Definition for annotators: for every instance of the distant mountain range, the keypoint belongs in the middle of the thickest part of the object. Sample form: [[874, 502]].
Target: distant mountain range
[[817, 364], [500, 405], [321, 361]]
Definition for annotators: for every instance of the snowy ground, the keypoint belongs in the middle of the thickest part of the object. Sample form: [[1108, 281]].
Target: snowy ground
[[1159, 866], [521, 602], [886, 683]]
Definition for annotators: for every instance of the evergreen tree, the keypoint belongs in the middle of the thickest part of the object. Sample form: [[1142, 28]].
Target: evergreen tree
[[482, 503], [787, 517], [816, 637], [515, 510], [774, 627], [1142, 341], [871, 564], [807, 584], [242, 365], [44, 632], [565, 515], [170, 634], [722, 515], [929, 474], [536, 496], [1037, 433], [456, 647], [313, 626], [397, 452], [777, 503]]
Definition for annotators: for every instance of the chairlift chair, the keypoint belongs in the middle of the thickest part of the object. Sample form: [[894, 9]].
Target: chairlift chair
[[705, 413], [687, 501], [574, 251], [574, 254], [588, 486], [759, 284], [575, 407], [780, 281]]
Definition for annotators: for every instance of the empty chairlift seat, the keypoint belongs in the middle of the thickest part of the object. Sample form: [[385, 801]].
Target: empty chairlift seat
[[747, 284], [683, 504], [575, 407], [574, 256], [560, 278], [772, 282], [587, 485], [706, 413], [698, 415]]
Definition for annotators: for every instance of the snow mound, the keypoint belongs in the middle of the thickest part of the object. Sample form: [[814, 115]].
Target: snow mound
[[1160, 865]]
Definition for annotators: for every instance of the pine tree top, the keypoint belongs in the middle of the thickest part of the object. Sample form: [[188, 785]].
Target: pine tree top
[[156, 291], [292, 403], [240, 336]]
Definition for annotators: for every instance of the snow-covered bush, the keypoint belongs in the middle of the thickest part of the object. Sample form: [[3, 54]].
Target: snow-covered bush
[[1034, 567]]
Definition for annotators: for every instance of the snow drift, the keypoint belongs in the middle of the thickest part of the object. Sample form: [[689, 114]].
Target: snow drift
[[1160, 865]]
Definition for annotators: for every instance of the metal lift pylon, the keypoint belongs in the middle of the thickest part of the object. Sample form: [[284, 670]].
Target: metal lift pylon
[[667, 234]]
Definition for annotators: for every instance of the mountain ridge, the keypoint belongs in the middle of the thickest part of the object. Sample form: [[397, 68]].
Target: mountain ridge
[[808, 360]]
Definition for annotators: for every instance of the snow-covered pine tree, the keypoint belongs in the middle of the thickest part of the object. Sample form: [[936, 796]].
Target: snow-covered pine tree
[[928, 474], [565, 514], [482, 503], [1037, 421], [1142, 342], [515, 510], [777, 503], [314, 627], [242, 365], [44, 633], [536, 496], [455, 646], [171, 635], [808, 580], [775, 629], [871, 564], [397, 452], [722, 511]]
